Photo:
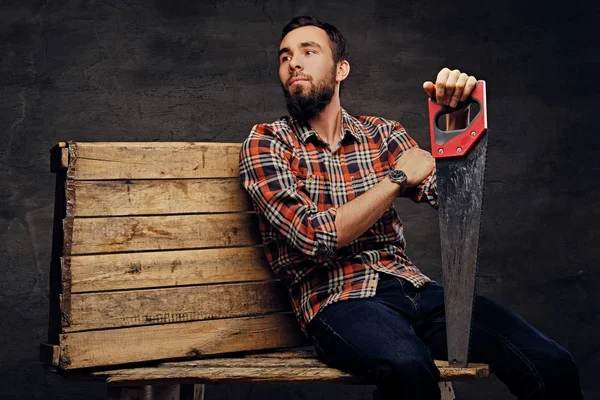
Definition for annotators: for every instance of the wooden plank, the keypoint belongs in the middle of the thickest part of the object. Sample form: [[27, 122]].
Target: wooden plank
[[157, 375], [248, 362], [115, 234], [170, 341], [264, 374], [180, 304], [152, 160], [93, 273], [263, 361], [447, 391], [49, 354], [147, 197]]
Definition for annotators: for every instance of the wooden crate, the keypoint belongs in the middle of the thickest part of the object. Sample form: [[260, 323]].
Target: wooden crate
[[157, 256]]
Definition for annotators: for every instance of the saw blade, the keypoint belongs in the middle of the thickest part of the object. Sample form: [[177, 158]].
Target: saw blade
[[460, 184]]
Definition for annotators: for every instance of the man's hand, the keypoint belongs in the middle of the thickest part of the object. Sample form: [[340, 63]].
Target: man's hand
[[417, 164], [450, 87]]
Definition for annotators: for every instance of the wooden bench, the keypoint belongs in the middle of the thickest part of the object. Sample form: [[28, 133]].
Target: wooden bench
[[158, 276]]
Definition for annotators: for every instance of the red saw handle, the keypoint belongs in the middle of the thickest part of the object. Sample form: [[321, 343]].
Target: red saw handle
[[457, 142]]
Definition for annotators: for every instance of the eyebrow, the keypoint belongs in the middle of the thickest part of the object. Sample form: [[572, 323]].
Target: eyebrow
[[303, 44]]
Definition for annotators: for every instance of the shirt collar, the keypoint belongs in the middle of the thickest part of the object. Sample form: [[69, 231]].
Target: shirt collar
[[304, 131]]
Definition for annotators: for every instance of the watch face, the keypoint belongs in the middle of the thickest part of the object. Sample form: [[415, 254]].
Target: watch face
[[397, 176]]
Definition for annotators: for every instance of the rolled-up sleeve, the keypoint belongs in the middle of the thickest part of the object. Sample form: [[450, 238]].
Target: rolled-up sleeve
[[266, 173], [398, 142]]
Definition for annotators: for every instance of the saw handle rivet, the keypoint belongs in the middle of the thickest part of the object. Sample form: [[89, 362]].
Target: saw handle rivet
[[473, 133], [441, 151], [459, 149]]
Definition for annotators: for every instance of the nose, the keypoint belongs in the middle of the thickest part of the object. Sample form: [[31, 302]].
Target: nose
[[295, 65]]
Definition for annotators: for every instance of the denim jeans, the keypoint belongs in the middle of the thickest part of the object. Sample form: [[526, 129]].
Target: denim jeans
[[393, 338]]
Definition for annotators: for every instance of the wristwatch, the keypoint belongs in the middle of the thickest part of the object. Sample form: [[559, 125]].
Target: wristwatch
[[398, 177]]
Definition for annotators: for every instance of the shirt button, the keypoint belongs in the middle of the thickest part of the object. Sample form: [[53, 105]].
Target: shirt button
[[372, 174], [372, 283], [338, 188], [310, 179]]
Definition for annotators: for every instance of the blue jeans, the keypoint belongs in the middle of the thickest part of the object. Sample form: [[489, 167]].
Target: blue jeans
[[393, 338]]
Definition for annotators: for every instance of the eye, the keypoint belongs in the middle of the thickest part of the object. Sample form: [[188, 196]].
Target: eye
[[310, 52], [285, 58]]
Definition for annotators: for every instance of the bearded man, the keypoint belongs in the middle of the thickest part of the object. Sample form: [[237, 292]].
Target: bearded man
[[322, 183]]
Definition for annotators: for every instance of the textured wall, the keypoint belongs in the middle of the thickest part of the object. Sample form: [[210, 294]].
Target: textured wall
[[126, 70]]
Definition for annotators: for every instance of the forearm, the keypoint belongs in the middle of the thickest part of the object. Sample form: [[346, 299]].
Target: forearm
[[356, 216]]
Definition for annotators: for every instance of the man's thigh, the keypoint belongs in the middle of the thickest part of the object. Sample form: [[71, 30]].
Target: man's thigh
[[366, 337]]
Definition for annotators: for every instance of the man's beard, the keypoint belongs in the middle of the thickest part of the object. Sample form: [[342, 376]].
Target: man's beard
[[306, 106]]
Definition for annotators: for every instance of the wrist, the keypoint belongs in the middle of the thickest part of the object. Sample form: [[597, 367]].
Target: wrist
[[392, 188], [399, 178]]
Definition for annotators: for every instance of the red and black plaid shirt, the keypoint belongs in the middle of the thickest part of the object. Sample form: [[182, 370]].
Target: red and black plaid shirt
[[296, 182]]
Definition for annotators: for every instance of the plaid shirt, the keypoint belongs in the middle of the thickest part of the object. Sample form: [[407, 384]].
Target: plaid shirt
[[297, 182]]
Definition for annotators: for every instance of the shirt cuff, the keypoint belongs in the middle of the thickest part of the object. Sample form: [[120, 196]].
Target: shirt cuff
[[326, 232]]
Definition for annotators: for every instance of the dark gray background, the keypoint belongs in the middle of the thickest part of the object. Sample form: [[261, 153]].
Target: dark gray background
[[179, 70]]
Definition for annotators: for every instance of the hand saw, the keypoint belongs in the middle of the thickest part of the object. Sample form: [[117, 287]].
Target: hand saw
[[460, 163]]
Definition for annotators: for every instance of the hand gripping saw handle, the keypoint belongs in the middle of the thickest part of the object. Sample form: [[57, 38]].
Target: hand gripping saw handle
[[460, 165]]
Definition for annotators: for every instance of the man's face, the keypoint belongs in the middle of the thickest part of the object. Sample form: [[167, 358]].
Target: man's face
[[306, 71]]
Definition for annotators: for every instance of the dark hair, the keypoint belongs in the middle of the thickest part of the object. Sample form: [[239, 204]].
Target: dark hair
[[337, 41]]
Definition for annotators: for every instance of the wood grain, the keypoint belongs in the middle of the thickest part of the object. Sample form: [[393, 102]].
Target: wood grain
[[162, 306], [206, 372], [190, 339], [152, 160], [116, 234], [155, 197], [308, 359], [95, 273], [231, 375]]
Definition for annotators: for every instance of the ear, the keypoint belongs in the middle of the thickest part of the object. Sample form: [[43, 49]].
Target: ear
[[342, 71]]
